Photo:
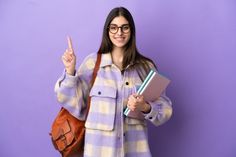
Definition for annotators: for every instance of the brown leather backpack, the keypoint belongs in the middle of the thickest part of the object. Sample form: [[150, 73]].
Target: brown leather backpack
[[67, 132]]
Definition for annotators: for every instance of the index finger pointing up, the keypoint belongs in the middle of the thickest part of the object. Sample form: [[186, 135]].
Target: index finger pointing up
[[70, 44]]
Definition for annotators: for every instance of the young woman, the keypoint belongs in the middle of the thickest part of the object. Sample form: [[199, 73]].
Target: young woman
[[109, 133]]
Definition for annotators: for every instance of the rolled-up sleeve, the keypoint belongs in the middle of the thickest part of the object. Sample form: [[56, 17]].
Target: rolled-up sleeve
[[161, 110], [72, 91]]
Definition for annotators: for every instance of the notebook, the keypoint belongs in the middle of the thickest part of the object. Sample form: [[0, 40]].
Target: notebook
[[151, 89]]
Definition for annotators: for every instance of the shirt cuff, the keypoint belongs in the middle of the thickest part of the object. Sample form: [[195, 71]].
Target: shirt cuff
[[153, 113], [69, 80]]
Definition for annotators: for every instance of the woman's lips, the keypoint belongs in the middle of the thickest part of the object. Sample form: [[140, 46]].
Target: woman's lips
[[120, 39]]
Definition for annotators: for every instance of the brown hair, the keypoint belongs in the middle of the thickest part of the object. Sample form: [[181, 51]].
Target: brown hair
[[131, 54]]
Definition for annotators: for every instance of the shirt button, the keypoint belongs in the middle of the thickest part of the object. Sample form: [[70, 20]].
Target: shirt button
[[127, 83], [99, 93], [124, 134]]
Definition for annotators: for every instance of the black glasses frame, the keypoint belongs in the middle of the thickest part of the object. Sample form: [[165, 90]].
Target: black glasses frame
[[121, 27]]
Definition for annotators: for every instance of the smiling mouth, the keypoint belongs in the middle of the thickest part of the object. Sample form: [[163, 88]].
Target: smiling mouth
[[120, 38]]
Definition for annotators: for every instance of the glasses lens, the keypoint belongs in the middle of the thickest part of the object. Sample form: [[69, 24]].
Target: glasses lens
[[113, 29], [125, 29]]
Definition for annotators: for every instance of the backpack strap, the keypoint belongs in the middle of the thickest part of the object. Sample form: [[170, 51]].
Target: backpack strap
[[95, 71]]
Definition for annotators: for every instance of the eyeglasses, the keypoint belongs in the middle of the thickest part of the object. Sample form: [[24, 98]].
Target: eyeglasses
[[114, 28]]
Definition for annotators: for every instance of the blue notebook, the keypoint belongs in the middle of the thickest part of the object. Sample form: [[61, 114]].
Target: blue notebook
[[151, 89]]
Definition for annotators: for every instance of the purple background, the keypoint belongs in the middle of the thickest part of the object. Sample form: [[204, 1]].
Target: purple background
[[192, 42]]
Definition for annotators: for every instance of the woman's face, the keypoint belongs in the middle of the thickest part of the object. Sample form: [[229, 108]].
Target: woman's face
[[119, 32]]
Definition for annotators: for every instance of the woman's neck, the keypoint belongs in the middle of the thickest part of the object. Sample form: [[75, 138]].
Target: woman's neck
[[117, 57]]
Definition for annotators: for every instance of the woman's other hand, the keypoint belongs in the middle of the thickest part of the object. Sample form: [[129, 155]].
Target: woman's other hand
[[137, 102], [69, 58]]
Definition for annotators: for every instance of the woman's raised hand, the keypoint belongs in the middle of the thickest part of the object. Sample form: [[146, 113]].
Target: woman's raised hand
[[69, 58]]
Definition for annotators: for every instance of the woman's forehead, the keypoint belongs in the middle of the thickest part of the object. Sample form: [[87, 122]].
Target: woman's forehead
[[119, 20]]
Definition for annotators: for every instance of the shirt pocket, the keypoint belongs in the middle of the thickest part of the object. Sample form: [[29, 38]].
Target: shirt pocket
[[102, 108]]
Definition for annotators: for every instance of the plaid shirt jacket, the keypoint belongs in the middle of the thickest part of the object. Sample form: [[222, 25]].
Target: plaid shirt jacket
[[108, 132]]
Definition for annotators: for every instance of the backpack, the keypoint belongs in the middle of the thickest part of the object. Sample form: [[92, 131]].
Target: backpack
[[67, 132]]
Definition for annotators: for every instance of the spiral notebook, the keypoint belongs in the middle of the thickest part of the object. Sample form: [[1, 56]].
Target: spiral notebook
[[151, 89]]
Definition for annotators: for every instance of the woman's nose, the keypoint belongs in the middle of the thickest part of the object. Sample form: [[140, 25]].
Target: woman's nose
[[119, 31]]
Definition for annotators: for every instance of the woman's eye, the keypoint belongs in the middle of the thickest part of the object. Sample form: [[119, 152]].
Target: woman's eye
[[125, 27], [113, 28]]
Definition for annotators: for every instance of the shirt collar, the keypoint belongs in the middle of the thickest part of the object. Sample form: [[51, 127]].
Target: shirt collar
[[106, 60]]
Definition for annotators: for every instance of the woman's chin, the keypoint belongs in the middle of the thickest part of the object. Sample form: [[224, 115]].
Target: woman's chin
[[119, 45]]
